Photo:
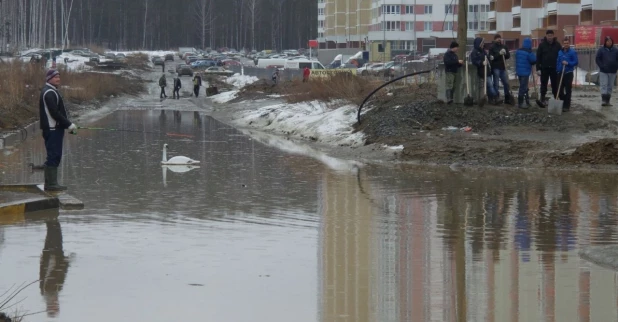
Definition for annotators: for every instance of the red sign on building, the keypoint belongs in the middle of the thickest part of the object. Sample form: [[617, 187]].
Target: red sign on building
[[586, 36], [313, 44]]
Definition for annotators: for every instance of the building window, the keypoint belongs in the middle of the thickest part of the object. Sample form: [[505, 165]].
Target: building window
[[484, 25], [320, 1], [320, 11], [320, 35], [409, 25], [585, 15], [448, 9], [516, 22], [391, 25], [428, 25], [448, 25], [321, 23], [409, 10], [428, 10], [484, 8], [473, 25], [391, 10]]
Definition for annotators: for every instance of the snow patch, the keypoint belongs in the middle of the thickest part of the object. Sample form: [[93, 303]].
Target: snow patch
[[314, 120], [224, 97], [240, 81], [394, 147]]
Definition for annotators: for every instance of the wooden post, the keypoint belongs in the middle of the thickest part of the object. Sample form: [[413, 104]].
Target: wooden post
[[462, 28]]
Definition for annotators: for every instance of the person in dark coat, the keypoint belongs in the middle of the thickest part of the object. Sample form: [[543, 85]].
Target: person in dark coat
[[451, 66], [197, 83], [162, 84], [498, 55], [54, 119], [480, 59], [177, 87], [525, 59], [546, 56], [607, 60], [567, 60]]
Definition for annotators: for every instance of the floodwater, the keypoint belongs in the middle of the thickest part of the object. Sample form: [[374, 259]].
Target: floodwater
[[258, 233]]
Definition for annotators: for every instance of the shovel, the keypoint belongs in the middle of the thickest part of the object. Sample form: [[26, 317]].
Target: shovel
[[535, 95], [483, 99], [511, 100], [468, 101], [555, 105]]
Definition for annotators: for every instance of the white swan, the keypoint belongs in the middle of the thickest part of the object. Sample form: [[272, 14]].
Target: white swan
[[179, 160], [177, 169]]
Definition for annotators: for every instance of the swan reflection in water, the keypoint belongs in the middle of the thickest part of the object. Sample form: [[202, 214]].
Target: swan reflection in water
[[177, 169]]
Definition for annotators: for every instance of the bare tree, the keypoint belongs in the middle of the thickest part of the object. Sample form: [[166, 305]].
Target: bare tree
[[203, 15]]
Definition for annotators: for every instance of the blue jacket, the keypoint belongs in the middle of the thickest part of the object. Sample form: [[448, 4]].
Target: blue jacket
[[571, 57], [607, 59], [525, 58]]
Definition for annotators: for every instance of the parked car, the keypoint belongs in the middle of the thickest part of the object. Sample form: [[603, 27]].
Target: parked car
[[203, 64], [218, 71], [95, 58], [191, 59], [121, 55], [368, 69], [157, 60], [231, 62], [184, 69], [152, 59], [169, 57], [110, 55]]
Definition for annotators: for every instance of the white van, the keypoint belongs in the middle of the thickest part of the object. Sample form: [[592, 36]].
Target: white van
[[302, 63], [265, 62]]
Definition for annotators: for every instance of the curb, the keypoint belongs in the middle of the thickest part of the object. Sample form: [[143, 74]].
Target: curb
[[12, 138]]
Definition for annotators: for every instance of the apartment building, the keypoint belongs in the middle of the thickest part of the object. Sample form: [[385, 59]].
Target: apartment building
[[343, 23], [516, 19]]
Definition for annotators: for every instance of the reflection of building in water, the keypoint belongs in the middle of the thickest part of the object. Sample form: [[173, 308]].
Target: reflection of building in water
[[507, 256], [54, 268], [344, 257]]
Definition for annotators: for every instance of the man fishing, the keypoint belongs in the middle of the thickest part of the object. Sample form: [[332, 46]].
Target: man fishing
[[54, 120]]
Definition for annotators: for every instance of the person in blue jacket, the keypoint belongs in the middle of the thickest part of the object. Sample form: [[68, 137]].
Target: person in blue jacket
[[525, 59], [607, 60], [567, 60]]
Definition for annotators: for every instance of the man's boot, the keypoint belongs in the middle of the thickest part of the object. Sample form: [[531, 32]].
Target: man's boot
[[449, 96], [603, 100], [609, 98], [527, 98], [51, 179], [520, 101]]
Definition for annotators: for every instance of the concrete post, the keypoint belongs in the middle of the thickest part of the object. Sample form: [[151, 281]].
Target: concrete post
[[460, 84]]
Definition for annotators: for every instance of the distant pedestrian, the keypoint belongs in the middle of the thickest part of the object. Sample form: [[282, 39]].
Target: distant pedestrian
[[275, 77], [163, 84], [197, 83], [306, 74], [54, 119], [177, 86], [525, 59], [567, 60], [499, 54], [451, 66], [546, 56], [607, 60], [163, 66], [480, 59]]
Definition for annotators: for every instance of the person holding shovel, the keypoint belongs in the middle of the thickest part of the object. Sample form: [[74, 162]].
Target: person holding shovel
[[565, 65], [498, 56], [480, 59], [451, 66], [525, 59], [607, 60]]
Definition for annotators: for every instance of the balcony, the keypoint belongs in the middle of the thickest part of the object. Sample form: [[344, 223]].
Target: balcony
[[491, 15], [552, 6], [516, 10]]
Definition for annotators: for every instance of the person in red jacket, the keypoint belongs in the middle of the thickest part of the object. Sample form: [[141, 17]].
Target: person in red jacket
[[306, 74]]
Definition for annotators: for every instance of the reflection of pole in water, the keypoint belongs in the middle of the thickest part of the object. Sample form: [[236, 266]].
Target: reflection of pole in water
[[54, 267]]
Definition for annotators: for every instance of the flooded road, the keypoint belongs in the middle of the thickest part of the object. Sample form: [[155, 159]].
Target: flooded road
[[257, 233]]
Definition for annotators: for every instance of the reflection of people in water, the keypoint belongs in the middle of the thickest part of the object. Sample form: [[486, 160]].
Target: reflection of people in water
[[54, 267]]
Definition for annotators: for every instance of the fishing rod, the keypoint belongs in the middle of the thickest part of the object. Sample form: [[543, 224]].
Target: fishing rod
[[134, 131]]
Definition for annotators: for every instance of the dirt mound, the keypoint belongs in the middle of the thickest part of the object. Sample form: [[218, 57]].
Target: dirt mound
[[402, 118], [604, 151]]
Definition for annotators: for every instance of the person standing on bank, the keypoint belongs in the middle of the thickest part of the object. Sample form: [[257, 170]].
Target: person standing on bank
[[498, 56], [177, 87], [525, 59], [546, 56], [567, 60], [480, 59], [607, 60], [197, 83], [451, 66], [54, 120], [162, 84]]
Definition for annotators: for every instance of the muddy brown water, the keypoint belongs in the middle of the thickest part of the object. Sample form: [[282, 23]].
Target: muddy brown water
[[260, 234]]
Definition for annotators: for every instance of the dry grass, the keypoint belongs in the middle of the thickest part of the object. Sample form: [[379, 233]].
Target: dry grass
[[336, 87], [21, 83], [139, 61]]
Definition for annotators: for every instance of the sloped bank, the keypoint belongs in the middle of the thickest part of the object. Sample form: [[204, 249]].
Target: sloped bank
[[411, 125]]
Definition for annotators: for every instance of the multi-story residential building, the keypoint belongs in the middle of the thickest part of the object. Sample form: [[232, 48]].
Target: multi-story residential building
[[516, 19], [343, 23]]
